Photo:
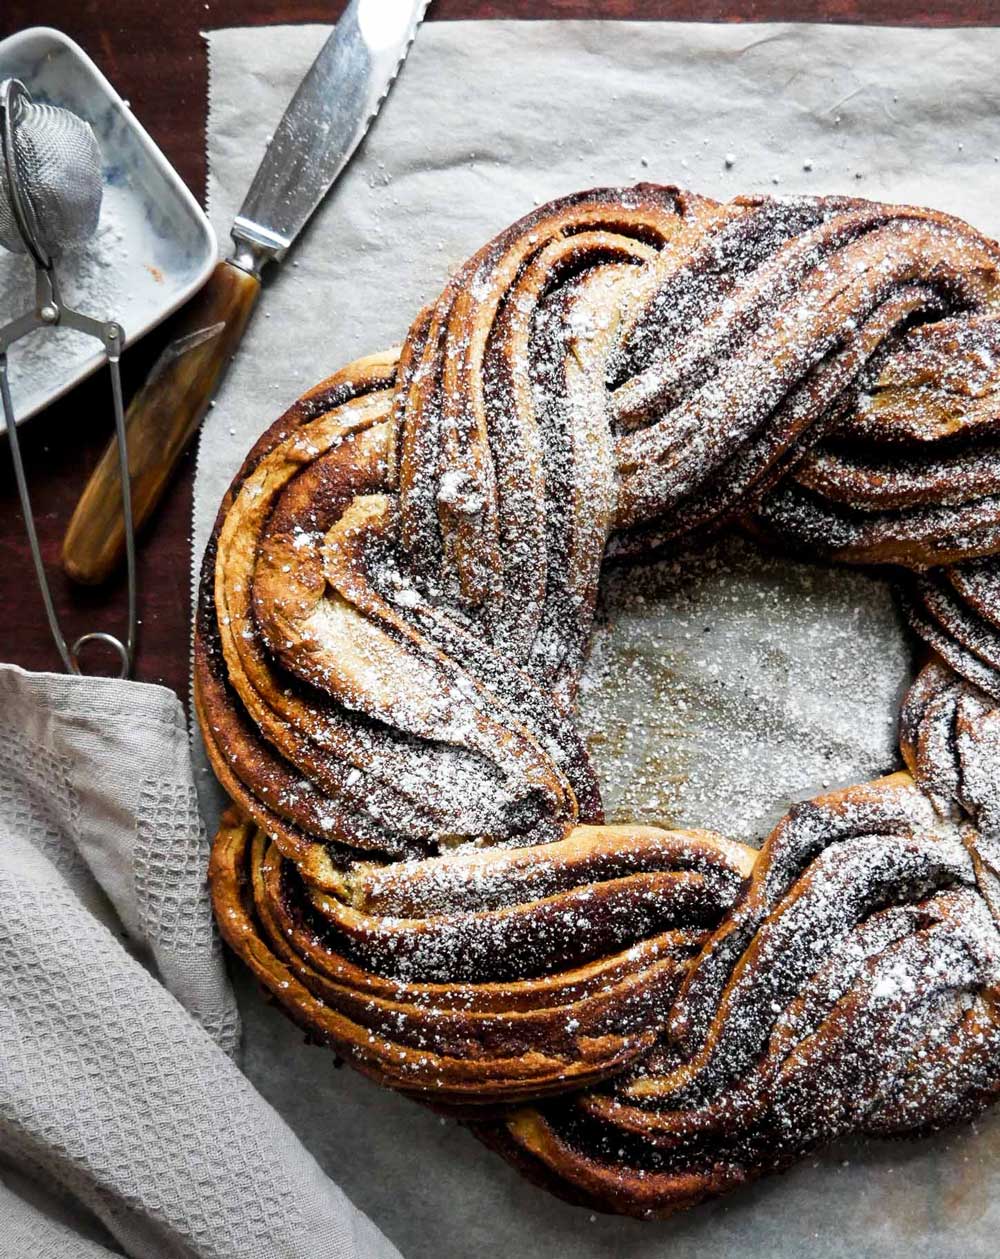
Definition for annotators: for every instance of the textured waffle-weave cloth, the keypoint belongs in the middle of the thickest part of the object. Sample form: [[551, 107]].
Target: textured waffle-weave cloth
[[126, 1126]]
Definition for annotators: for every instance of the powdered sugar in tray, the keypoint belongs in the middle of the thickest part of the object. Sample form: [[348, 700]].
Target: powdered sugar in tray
[[94, 279]]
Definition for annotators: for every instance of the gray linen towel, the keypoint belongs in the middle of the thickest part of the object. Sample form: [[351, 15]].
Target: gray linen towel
[[121, 1107]]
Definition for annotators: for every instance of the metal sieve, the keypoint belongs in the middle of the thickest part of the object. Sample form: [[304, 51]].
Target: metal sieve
[[50, 200]]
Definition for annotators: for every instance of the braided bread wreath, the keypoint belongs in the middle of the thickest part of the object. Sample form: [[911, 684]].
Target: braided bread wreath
[[395, 608]]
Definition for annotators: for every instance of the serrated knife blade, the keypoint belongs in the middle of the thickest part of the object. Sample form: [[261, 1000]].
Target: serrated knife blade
[[325, 122]]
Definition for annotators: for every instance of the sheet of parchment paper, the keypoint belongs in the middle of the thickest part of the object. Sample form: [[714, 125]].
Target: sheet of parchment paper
[[721, 684]]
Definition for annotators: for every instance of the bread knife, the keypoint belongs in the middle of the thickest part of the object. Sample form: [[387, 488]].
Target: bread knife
[[327, 119]]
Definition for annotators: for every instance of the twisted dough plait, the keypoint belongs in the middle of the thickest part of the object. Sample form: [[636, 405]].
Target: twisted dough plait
[[396, 604]]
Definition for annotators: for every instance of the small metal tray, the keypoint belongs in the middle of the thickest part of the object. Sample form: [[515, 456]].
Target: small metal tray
[[163, 244]]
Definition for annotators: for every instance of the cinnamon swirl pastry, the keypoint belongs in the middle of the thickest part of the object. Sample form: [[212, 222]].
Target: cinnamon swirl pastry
[[395, 608]]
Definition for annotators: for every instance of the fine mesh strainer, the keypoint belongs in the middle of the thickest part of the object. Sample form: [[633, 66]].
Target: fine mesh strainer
[[50, 200]]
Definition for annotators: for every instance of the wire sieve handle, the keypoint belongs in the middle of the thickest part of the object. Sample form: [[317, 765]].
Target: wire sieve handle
[[111, 336]]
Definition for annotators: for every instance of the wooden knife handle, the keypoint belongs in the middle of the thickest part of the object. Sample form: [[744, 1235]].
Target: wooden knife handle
[[160, 421]]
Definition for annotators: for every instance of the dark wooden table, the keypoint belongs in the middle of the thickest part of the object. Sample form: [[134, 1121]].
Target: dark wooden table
[[152, 51]]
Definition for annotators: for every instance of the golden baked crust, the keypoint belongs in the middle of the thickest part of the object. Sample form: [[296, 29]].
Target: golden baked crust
[[395, 607]]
